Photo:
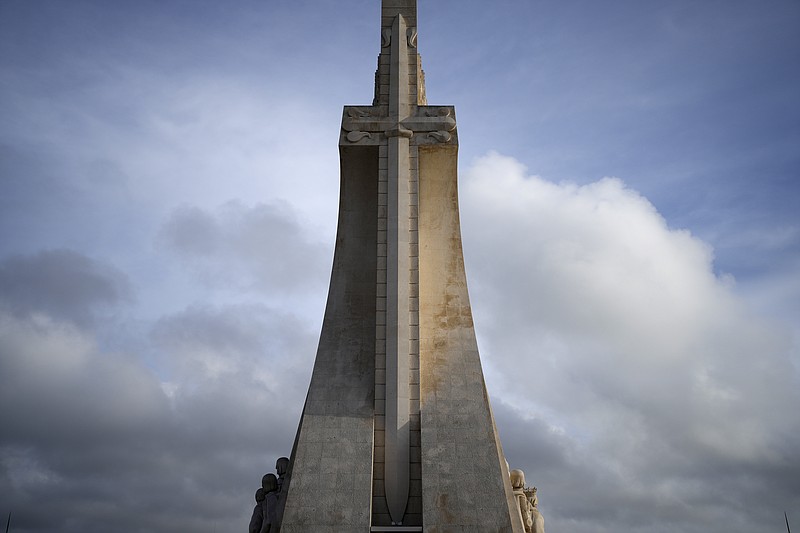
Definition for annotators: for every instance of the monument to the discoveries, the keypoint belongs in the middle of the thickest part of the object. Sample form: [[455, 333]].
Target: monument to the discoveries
[[397, 433]]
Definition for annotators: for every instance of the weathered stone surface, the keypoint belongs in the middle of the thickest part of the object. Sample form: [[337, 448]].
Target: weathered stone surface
[[464, 482], [330, 474], [397, 426]]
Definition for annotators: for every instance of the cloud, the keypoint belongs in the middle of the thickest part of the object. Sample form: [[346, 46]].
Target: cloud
[[53, 374], [633, 385], [651, 369], [76, 421], [64, 284], [123, 443], [165, 433], [253, 343], [263, 247]]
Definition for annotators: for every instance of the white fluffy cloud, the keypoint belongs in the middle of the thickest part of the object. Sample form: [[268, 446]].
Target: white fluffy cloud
[[612, 328]]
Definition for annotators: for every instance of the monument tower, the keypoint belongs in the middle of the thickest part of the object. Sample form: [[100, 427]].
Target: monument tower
[[397, 433]]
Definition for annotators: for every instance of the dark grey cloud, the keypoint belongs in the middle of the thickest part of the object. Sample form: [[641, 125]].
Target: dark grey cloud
[[159, 449], [76, 422], [580, 486], [63, 284], [230, 375]]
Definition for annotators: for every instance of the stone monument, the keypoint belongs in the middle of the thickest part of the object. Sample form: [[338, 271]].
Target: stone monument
[[397, 433]]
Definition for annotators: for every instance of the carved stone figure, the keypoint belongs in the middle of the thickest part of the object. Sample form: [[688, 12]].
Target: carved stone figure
[[281, 467], [257, 520], [524, 506], [269, 483], [536, 516]]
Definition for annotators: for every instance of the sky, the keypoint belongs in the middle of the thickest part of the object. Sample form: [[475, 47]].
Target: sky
[[628, 192]]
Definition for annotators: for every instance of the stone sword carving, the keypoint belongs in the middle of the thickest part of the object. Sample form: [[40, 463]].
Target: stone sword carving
[[369, 125]]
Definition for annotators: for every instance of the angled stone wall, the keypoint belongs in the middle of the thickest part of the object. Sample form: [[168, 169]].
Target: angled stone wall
[[330, 481], [465, 484]]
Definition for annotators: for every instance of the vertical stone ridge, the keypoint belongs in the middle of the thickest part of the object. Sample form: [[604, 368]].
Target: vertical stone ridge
[[414, 508], [391, 8], [416, 79], [380, 511]]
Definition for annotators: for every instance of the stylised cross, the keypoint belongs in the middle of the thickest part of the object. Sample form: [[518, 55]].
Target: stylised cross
[[429, 124]]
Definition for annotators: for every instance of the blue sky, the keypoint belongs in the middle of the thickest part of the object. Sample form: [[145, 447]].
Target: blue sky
[[628, 182]]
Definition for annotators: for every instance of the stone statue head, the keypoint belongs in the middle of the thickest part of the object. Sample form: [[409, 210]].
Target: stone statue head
[[517, 479], [269, 483], [259, 495], [281, 466]]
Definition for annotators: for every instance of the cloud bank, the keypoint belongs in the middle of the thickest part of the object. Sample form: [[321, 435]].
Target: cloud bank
[[609, 338], [167, 433], [637, 388]]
